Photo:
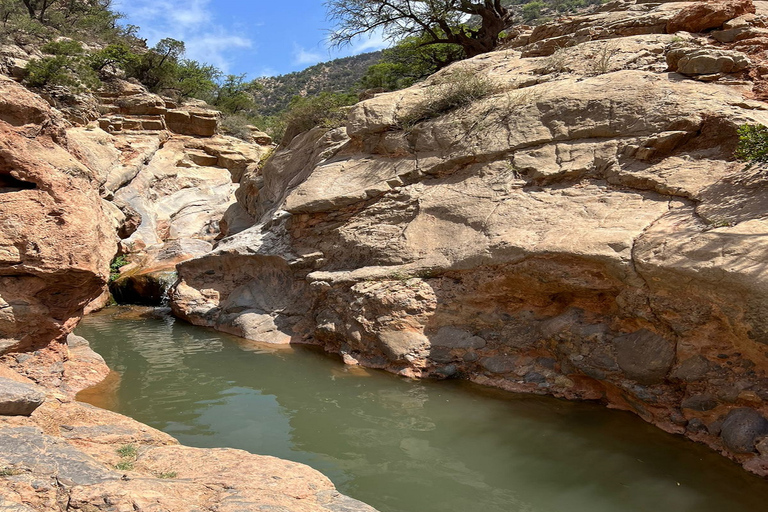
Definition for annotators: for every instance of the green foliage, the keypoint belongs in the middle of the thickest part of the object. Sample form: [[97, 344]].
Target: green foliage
[[118, 54], [85, 20], [232, 96], [158, 68], [67, 47], [128, 454], [196, 80], [532, 10], [170, 474], [124, 465], [127, 451], [49, 71], [753, 143], [114, 273], [236, 125], [273, 95], [460, 89], [408, 62], [471, 26], [326, 110]]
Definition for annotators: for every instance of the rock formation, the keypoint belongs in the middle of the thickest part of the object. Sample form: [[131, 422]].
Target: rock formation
[[70, 198], [582, 230], [55, 240]]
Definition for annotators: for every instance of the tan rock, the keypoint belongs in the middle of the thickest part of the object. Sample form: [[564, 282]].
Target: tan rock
[[581, 231], [702, 16], [193, 121]]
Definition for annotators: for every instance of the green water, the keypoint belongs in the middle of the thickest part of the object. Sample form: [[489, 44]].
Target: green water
[[406, 446]]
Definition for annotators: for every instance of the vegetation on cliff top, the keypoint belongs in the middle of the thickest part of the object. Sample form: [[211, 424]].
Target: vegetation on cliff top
[[83, 43]]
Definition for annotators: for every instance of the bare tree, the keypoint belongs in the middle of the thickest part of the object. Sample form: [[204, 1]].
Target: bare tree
[[472, 24]]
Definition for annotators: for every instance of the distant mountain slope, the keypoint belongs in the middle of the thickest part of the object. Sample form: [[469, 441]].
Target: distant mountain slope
[[338, 75]]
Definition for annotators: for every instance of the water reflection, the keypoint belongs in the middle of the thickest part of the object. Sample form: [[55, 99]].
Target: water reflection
[[407, 446]]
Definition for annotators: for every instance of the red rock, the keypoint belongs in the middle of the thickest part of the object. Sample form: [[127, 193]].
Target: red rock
[[56, 242], [703, 16]]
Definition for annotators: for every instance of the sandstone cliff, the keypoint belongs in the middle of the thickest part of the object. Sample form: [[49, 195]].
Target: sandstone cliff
[[582, 230]]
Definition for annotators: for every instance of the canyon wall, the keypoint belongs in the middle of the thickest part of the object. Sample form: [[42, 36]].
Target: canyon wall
[[72, 197], [581, 229]]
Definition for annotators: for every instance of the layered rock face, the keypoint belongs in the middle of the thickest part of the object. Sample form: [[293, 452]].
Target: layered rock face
[[55, 240], [166, 191], [581, 230]]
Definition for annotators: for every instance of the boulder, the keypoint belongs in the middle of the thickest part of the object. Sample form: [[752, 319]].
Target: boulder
[[18, 398], [141, 104], [55, 241], [398, 344], [742, 428], [707, 61], [702, 16], [193, 121], [645, 356]]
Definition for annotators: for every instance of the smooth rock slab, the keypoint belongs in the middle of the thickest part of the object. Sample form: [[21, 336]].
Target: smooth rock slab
[[28, 447], [18, 398]]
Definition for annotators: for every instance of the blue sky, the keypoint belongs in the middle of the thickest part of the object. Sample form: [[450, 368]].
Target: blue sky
[[256, 37]]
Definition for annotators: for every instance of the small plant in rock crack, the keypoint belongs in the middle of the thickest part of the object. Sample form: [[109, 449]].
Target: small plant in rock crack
[[555, 63], [124, 465], [128, 454], [115, 266], [460, 89], [168, 475], [602, 60], [127, 451]]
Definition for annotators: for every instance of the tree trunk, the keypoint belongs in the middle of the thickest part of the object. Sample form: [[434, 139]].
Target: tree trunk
[[30, 8]]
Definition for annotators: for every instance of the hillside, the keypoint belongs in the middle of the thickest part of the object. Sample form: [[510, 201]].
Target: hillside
[[274, 94]]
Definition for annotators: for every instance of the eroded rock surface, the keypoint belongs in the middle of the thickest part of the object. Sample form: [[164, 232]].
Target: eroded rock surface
[[55, 240], [581, 231]]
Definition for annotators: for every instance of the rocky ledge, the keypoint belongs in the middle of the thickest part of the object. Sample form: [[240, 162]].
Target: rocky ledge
[[582, 230], [57, 454]]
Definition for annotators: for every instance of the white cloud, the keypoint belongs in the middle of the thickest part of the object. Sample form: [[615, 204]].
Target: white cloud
[[191, 21], [266, 71], [303, 56], [373, 42]]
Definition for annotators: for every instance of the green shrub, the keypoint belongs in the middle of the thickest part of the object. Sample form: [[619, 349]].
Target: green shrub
[[326, 109], [65, 47], [532, 10], [236, 125], [124, 465], [127, 451], [114, 273], [68, 66], [408, 62], [49, 71], [753, 143], [460, 89], [118, 54]]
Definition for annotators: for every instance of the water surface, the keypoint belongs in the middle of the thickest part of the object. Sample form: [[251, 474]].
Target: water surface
[[405, 446]]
